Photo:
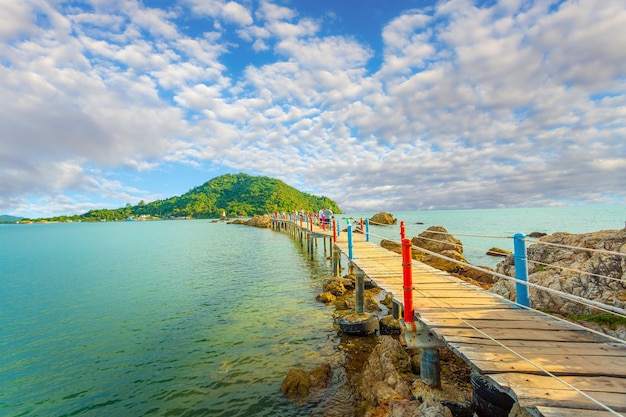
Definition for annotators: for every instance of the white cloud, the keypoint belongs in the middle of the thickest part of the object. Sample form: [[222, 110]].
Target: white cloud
[[236, 13], [519, 103]]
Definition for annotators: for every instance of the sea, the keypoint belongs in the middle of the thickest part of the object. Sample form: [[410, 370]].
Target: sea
[[196, 317]]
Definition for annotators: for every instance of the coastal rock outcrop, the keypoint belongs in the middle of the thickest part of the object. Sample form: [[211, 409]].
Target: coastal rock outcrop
[[383, 218], [260, 221], [498, 252], [298, 385], [595, 275], [386, 372], [437, 239]]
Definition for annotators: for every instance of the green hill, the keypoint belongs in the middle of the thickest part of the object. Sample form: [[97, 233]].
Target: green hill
[[5, 218], [239, 195]]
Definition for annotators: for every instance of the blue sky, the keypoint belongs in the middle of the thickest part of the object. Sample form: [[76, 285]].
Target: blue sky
[[379, 104]]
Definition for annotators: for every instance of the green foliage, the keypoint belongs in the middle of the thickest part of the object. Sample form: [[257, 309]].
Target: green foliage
[[604, 319], [239, 195]]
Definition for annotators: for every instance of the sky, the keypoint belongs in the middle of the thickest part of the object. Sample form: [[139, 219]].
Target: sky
[[381, 105]]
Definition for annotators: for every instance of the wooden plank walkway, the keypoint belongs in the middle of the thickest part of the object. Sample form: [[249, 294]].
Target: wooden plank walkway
[[468, 320], [514, 348]]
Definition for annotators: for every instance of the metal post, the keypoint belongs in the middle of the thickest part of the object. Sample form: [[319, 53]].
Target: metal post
[[408, 280], [349, 241], [402, 231], [360, 293], [367, 230], [430, 369], [521, 269], [334, 230]]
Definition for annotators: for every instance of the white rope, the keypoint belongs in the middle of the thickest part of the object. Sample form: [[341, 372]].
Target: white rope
[[581, 300], [589, 303], [542, 369], [608, 252], [575, 270]]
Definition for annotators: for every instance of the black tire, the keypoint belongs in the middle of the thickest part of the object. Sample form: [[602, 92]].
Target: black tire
[[490, 401], [365, 327]]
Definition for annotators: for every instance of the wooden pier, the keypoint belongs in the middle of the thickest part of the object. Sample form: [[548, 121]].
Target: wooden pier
[[550, 367]]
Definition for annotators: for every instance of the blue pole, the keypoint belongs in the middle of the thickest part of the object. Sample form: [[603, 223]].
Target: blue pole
[[349, 241], [521, 269], [367, 230]]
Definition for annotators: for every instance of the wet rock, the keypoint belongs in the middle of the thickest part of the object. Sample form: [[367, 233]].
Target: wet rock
[[389, 325], [498, 252], [298, 385], [537, 234], [335, 287], [326, 297]]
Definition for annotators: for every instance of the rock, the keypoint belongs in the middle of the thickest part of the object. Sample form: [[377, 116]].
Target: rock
[[388, 301], [479, 276], [296, 385], [397, 248], [498, 252], [537, 234], [335, 287], [569, 270], [389, 325], [326, 297], [320, 377], [437, 239], [384, 373], [260, 221], [383, 218]]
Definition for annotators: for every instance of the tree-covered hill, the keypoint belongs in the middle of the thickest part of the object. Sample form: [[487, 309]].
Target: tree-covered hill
[[238, 195]]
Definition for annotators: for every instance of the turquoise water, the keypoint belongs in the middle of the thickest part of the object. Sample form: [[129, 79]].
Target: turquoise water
[[191, 318], [172, 318]]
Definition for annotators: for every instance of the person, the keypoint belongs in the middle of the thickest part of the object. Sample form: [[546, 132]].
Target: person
[[320, 216], [328, 215]]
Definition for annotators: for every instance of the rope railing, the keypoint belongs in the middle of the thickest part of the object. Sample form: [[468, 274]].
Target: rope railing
[[581, 300], [562, 268], [580, 248], [522, 357]]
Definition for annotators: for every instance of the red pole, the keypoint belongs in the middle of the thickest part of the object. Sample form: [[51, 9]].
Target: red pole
[[408, 280], [334, 231], [402, 231], [311, 221], [362, 230]]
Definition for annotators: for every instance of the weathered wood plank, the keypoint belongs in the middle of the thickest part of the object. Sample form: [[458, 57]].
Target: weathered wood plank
[[504, 334], [572, 412]]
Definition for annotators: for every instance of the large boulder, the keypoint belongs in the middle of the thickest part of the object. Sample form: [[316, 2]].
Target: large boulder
[[437, 239], [260, 221], [573, 271], [298, 385], [383, 218]]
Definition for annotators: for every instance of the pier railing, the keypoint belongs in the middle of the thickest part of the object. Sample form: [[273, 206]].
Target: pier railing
[[522, 284]]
